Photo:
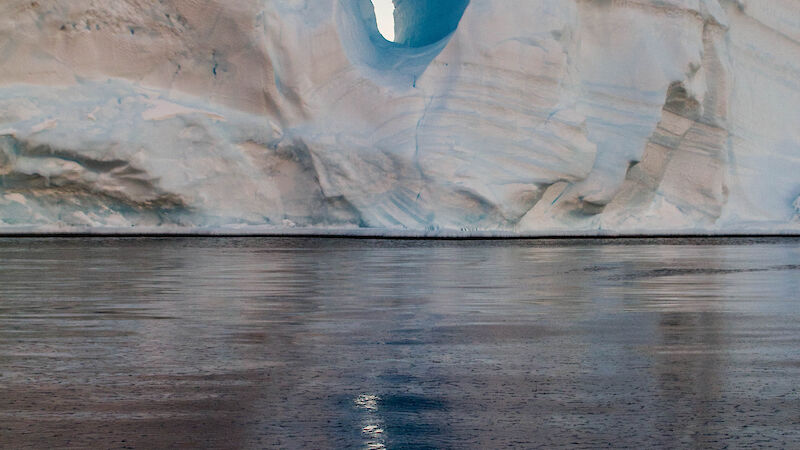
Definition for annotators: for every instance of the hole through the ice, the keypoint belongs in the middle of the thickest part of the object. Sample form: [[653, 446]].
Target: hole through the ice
[[417, 23], [384, 16], [422, 29]]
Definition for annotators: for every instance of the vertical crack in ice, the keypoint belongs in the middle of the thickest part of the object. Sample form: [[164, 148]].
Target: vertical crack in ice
[[416, 144]]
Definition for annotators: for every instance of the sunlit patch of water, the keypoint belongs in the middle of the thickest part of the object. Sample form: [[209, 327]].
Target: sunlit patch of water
[[371, 424]]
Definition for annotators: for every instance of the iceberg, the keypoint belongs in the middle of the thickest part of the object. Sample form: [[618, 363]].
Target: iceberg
[[482, 117]]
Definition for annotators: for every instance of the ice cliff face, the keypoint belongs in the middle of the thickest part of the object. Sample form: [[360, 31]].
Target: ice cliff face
[[520, 116]]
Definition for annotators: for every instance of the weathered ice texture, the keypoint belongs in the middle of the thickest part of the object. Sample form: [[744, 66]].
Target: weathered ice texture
[[488, 116]]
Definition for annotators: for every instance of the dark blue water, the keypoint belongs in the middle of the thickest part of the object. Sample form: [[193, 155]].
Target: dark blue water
[[321, 343]]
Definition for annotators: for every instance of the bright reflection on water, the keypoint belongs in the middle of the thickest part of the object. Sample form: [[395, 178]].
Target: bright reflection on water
[[366, 343]]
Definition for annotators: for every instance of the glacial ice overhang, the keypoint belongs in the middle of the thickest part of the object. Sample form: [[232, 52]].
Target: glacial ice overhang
[[418, 23], [422, 28], [499, 116]]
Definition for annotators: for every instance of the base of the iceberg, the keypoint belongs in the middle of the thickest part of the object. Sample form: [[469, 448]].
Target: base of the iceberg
[[385, 233]]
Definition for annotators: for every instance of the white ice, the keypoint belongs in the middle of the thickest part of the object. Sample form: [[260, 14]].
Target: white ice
[[485, 116]]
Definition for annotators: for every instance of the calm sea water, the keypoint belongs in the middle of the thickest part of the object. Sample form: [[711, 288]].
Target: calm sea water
[[338, 343]]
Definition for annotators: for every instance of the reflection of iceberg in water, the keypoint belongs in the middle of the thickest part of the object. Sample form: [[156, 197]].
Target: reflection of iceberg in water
[[272, 342], [371, 422]]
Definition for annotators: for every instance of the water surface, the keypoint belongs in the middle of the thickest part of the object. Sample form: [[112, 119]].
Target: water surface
[[344, 343]]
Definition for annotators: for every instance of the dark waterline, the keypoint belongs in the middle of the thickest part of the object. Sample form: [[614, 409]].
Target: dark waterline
[[347, 343]]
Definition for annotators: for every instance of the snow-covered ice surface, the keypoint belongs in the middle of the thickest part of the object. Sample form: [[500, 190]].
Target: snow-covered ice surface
[[487, 117]]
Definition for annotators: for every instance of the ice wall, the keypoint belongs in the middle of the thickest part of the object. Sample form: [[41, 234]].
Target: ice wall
[[510, 116]]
